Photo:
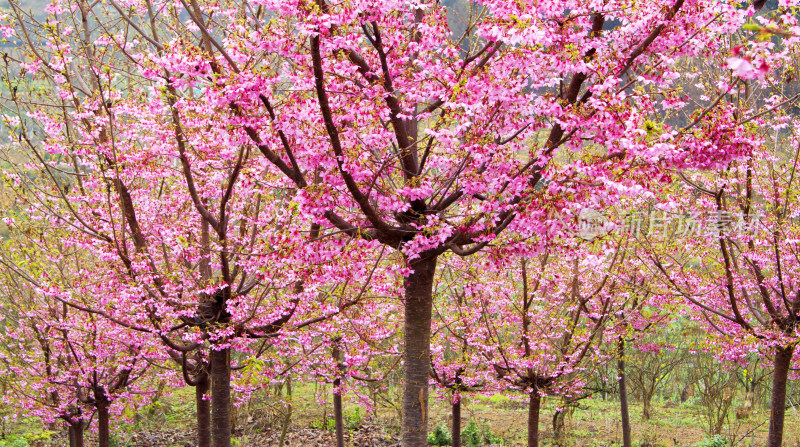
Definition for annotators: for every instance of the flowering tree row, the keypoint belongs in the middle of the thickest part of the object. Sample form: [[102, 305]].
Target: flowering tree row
[[234, 180]]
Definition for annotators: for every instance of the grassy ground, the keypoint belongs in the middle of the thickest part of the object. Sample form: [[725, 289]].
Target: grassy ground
[[598, 423], [594, 423]]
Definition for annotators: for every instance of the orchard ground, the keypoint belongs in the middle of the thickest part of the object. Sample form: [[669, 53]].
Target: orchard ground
[[594, 422]]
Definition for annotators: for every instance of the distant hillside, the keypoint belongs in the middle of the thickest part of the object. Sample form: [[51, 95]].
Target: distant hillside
[[456, 7], [35, 6]]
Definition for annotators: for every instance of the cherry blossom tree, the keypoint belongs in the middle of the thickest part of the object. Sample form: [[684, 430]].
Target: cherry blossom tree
[[377, 123], [739, 275], [175, 233], [740, 281], [67, 364], [546, 323], [458, 368], [351, 349], [630, 324]]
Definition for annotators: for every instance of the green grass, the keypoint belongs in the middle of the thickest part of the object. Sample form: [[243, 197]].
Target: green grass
[[501, 418]]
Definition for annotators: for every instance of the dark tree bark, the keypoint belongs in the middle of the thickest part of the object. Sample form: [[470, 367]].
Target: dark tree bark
[[457, 424], [533, 419], [103, 420], [783, 360], [337, 400], [417, 355], [76, 435], [623, 394], [203, 411], [220, 397], [337, 415]]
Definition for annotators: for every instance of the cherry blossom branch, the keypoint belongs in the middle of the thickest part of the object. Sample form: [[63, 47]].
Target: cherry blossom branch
[[389, 233], [651, 37]]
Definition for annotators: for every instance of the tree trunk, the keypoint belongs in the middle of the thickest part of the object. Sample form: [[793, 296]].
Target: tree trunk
[[337, 415], [623, 394], [457, 424], [76, 435], [417, 355], [721, 420], [220, 397], [533, 419], [646, 404], [558, 427], [208, 310], [783, 360], [103, 430], [203, 411], [337, 405], [288, 419]]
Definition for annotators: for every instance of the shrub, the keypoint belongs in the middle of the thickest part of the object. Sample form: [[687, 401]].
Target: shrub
[[440, 436], [716, 441], [476, 436], [324, 424], [26, 439], [14, 441], [353, 419]]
